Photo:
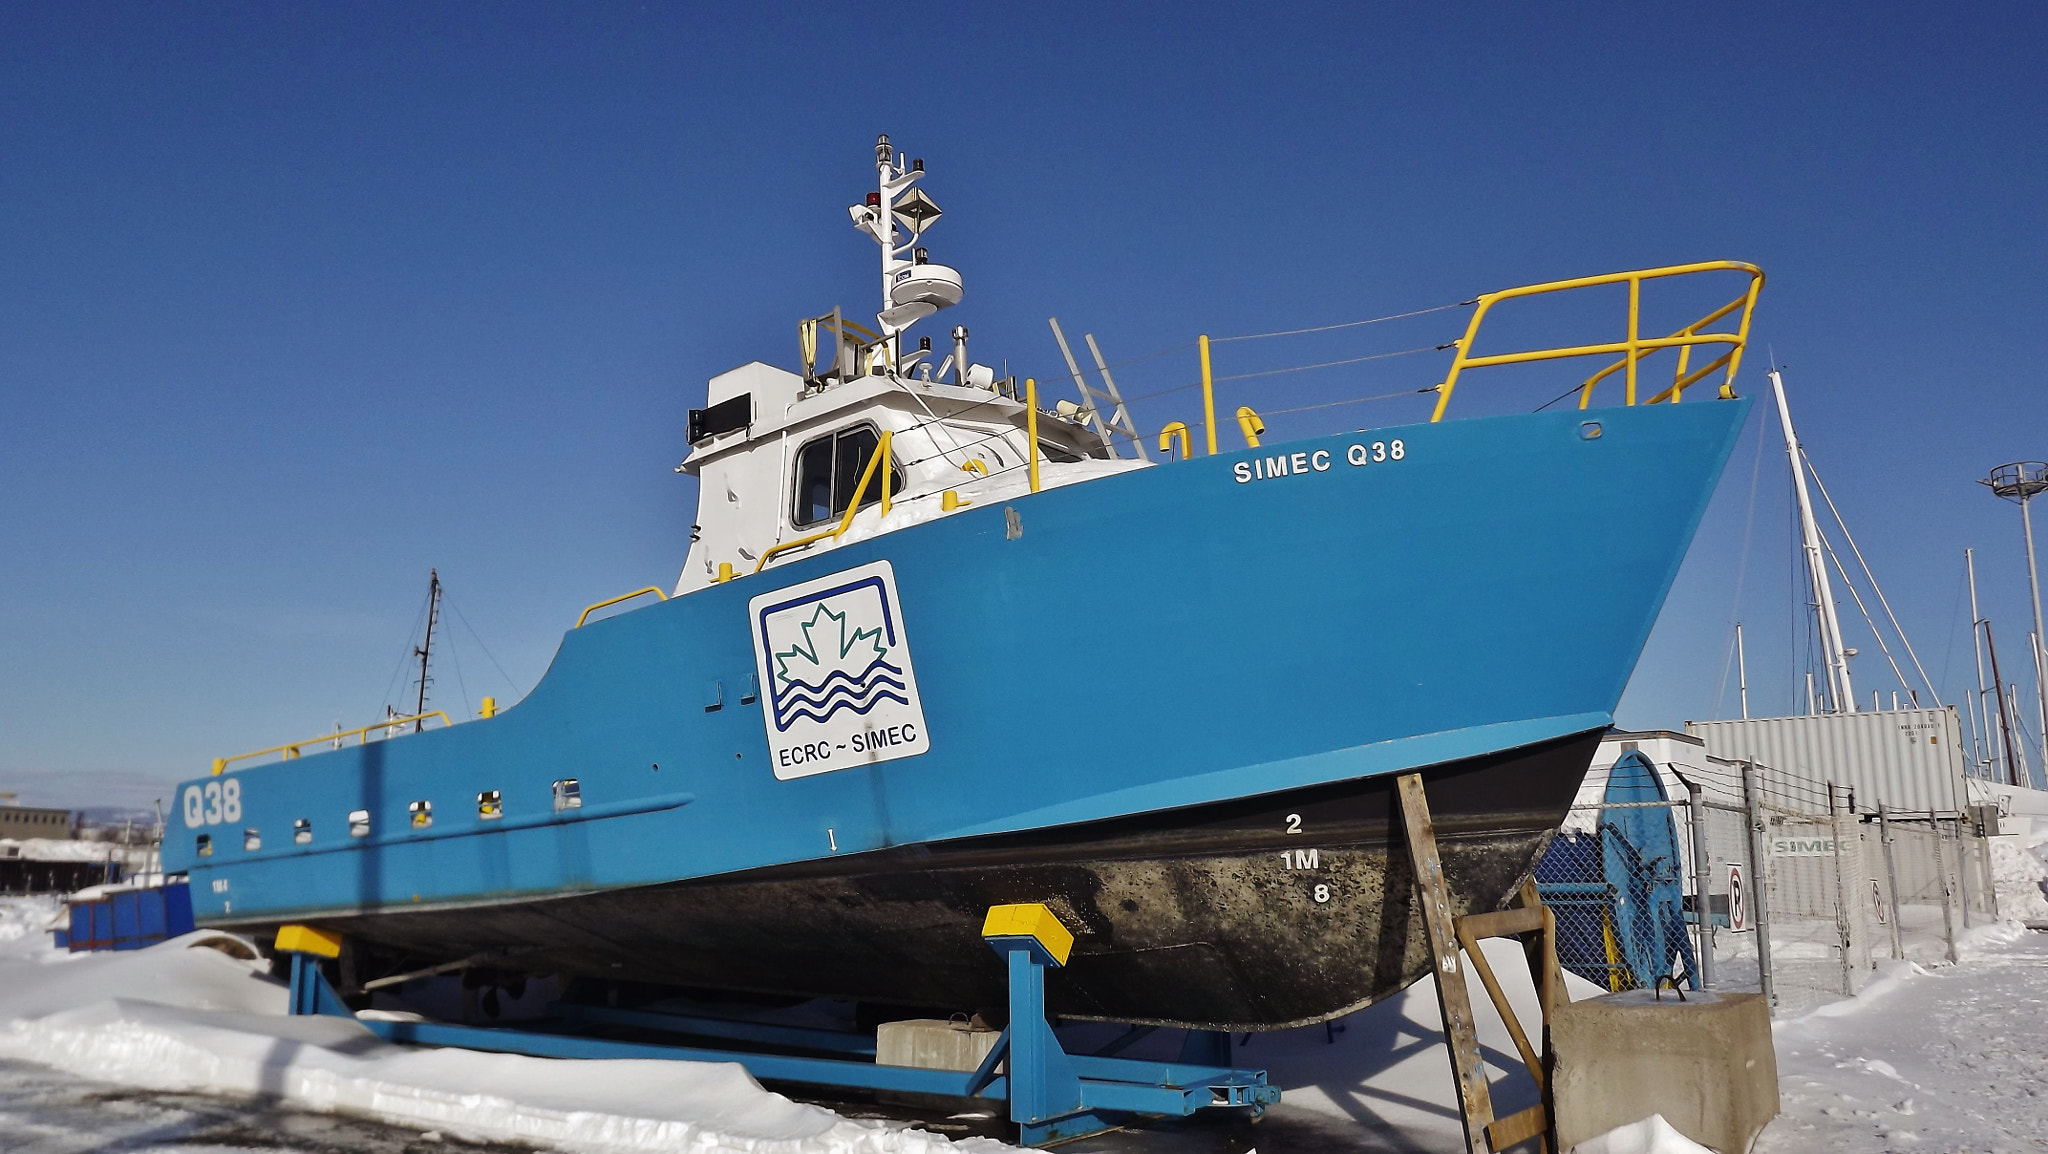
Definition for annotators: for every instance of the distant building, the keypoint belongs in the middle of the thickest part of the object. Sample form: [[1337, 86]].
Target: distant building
[[21, 822]]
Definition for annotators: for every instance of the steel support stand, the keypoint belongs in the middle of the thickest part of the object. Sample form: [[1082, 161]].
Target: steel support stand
[[1053, 1096]]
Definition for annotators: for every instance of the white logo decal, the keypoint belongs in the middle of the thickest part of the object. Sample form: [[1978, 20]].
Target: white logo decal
[[835, 667]]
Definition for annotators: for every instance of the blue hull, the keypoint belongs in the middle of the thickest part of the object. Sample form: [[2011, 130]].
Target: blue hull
[[1200, 634]]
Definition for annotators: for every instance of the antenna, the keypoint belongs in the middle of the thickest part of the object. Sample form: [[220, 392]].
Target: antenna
[[912, 287], [426, 647]]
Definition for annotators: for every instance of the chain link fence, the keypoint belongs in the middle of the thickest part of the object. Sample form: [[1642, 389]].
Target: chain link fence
[[1779, 893]]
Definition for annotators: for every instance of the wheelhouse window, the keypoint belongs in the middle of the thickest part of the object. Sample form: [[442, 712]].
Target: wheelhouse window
[[828, 470]]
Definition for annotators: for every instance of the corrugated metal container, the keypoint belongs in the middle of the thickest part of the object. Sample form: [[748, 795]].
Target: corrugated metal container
[[1909, 759]]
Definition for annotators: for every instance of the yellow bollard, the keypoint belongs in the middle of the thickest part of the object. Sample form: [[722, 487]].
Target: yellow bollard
[[950, 500], [490, 708], [1251, 424], [1176, 430]]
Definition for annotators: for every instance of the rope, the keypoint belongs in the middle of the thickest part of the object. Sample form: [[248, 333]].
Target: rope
[[1345, 325], [1330, 364]]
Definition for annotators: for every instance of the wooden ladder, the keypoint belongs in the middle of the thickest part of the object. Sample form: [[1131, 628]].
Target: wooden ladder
[[1484, 1133]]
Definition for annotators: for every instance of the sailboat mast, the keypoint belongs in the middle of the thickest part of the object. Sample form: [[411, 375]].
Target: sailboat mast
[[2012, 769], [426, 647], [1741, 671], [1839, 687], [1978, 721]]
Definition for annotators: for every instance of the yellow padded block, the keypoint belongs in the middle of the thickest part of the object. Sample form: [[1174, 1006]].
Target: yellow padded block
[[307, 940], [1030, 920]]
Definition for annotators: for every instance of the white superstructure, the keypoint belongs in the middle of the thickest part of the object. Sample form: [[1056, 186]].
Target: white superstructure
[[780, 456]]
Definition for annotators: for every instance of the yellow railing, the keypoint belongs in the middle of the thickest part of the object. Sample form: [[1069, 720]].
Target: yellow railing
[[880, 457], [1635, 346], [291, 750], [622, 597]]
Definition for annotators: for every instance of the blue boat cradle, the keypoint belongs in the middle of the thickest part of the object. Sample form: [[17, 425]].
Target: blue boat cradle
[[1053, 1096], [1617, 895], [128, 919]]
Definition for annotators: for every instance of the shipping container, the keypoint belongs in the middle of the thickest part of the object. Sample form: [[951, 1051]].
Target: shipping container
[[1910, 759]]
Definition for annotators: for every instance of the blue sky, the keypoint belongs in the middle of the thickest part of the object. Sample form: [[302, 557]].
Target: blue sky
[[299, 301]]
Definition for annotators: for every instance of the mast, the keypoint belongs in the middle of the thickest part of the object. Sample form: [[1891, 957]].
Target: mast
[[1840, 690], [426, 647], [1979, 723], [2021, 481], [2012, 771], [1741, 671]]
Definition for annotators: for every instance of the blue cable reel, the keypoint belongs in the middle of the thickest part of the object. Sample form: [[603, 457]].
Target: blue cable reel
[[1617, 893]]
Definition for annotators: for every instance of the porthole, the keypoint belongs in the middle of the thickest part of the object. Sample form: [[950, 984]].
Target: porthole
[[205, 845], [251, 841], [489, 806], [359, 823], [302, 831], [568, 794], [420, 814]]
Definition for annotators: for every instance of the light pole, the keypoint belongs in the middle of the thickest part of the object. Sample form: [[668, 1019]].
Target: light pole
[[2019, 482]]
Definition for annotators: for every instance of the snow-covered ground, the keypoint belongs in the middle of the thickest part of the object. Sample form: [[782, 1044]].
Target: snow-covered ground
[[171, 1047], [1954, 1058]]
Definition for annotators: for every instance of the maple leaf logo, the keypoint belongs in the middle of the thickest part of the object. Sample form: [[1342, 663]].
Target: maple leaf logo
[[829, 646]]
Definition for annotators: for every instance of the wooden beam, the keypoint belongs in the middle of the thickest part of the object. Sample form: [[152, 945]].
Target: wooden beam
[[1460, 1032]]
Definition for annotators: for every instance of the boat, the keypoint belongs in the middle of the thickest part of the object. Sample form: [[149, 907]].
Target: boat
[[885, 695]]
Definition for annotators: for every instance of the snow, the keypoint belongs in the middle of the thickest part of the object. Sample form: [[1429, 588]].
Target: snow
[[1924, 1058], [179, 1018], [1652, 1135], [2018, 874], [66, 849]]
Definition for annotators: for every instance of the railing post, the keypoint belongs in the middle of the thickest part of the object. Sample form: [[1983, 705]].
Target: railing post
[[1844, 928], [1208, 399], [1702, 882], [1891, 874], [1962, 874], [1031, 427], [1759, 904], [1948, 892]]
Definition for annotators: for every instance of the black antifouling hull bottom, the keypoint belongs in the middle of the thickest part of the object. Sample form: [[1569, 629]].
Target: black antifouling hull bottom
[[1259, 913]]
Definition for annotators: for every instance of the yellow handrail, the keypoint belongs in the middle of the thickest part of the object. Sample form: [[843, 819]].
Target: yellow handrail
[[880, 457], [614, 601], [1635, 346], [291, 749]]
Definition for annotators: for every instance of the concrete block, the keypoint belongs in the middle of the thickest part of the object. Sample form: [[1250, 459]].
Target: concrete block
[[930, 1044], [1706, 1065]]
